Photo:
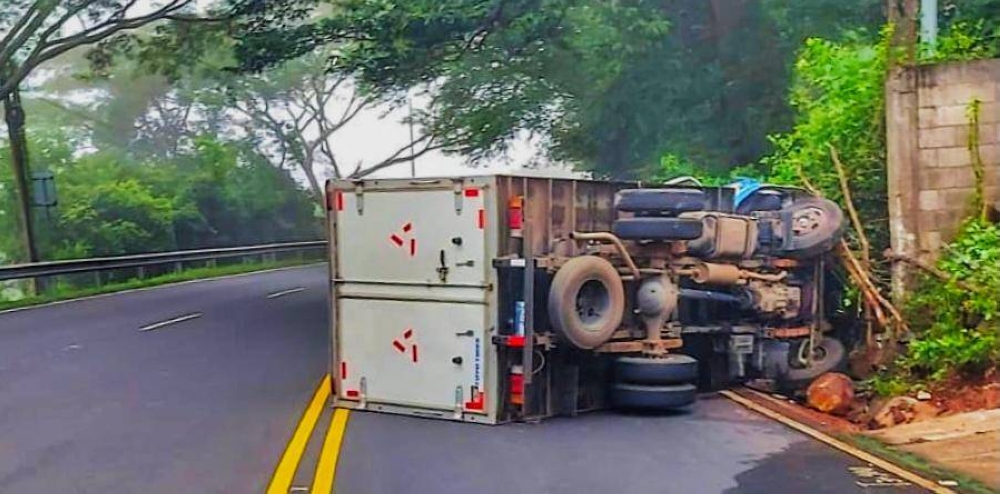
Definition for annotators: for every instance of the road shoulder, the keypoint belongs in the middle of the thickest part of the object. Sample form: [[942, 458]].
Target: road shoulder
[[927, 473]]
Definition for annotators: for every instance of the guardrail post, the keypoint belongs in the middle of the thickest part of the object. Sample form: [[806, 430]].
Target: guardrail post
[[140, 272]]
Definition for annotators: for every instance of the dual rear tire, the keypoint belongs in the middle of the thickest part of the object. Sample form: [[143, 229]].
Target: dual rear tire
[[654, 384]]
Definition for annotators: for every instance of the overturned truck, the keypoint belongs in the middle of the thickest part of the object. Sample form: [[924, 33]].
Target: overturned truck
[[498, 298]]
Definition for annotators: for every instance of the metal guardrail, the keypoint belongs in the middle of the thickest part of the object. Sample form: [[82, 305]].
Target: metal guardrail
[[75, 266]]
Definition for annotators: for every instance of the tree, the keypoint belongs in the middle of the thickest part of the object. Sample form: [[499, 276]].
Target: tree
[[40, 30], [37, 31], [610, 86], [292, 112]]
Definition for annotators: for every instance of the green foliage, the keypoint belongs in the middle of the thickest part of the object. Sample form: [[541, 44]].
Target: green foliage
[[610, 86], [980, 18], [215, 194], [957, 322], [886, 384], [837, 94], [674, 166], [964, 40]]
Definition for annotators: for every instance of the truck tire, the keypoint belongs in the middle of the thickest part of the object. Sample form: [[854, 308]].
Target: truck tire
[[828, 356], [665, 201], [653, 228], [816, 225], [653, 398], [586, 301], [671, 369]]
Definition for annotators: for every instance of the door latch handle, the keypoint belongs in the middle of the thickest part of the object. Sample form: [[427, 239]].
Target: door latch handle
[[465, 333], [456, 360], [466, 264], [443, 269]]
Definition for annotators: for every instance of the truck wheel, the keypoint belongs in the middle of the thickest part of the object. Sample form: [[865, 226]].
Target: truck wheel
[[816, 225], [653, 228], [640, 397], [672, 369], [668, 201], [586, 301], [828, 355]]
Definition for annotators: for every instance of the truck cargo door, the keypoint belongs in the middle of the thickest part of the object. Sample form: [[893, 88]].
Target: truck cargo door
[[431, 237], [412, 295]]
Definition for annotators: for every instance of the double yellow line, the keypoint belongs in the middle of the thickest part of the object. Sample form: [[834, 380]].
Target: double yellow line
[[326, 468]]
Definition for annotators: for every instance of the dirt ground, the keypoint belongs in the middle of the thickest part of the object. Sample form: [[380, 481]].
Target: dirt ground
[[966, 442]]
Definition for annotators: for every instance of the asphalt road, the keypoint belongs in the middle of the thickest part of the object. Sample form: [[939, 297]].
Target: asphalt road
[[91, 404], [716, 447]]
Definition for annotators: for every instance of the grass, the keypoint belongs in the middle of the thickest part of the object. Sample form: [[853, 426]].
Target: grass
[[918, 464], [66, 292]]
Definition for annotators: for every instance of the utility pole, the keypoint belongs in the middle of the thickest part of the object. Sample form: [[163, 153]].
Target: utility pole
[[14, 116], [929, 23]]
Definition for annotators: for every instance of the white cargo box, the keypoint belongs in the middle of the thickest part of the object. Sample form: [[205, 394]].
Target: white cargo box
[[412, 297], [416, 297]]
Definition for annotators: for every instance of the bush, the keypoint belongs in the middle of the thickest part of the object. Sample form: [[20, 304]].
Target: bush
[[838, 98], [956, 322]]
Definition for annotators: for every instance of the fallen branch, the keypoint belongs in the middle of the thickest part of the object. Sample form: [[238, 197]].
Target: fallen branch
[[894, 257], [852, 211], [859, 277], [806, 182], [866, 283]]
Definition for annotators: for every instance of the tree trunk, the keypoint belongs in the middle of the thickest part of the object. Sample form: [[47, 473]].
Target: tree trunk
[[317, 190], [14, 115], [902, 15]]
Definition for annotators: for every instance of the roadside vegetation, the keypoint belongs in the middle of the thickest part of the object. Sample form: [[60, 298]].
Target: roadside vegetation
[[836, 148]]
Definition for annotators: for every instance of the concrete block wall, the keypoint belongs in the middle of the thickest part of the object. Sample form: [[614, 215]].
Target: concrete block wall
[[944, 180]]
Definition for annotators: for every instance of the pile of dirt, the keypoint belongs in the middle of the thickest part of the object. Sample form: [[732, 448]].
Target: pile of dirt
[[948, 397]]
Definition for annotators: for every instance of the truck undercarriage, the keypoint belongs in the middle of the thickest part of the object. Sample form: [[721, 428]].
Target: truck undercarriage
[[680, 262], [532, 297]]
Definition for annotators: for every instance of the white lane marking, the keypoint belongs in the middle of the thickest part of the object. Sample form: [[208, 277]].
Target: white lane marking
[[168, 322], [286, 292]]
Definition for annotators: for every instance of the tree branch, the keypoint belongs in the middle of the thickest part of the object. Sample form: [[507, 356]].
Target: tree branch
[[46, 50], [396, 158]]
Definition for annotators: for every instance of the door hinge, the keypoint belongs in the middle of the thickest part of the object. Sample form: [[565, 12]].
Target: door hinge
[[363, 398], [359, 191], [459, 200], [459, 402]]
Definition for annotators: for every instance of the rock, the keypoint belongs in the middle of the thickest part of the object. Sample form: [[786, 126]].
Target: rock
[[896, 411], [831, 393], [923, 395], [924, 410]]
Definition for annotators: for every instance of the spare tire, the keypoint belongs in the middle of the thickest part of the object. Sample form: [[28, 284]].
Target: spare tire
[[813, 226], [666, 201], [586, 301], [653, 228]]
